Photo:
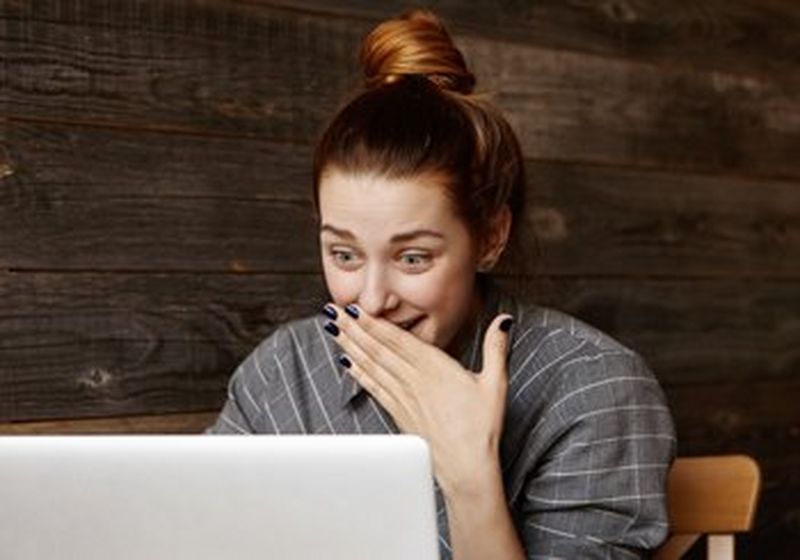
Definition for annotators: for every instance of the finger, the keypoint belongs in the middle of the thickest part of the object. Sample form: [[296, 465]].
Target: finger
[[495, 345], [380, 351], [376, 389], [371, 366], [402, 342]]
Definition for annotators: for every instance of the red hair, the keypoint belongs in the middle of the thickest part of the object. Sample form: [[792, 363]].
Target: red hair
[[417, 115]]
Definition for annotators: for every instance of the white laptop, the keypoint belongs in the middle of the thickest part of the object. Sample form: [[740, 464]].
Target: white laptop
[[346, 497]]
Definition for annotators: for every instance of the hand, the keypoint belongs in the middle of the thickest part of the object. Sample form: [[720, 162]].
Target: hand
[[428, 393]]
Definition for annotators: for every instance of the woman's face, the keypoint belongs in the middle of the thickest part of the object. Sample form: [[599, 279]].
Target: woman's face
[[395, 248]]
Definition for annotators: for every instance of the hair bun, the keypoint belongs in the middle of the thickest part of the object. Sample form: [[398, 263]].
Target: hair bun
[[414, 43]]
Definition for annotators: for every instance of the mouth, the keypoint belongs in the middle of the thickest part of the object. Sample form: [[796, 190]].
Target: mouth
[[410, 324]]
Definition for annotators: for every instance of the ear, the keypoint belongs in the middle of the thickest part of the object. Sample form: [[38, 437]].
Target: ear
[[499, 230]]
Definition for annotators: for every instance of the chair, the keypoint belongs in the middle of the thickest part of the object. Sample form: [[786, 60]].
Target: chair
[[715, 495]]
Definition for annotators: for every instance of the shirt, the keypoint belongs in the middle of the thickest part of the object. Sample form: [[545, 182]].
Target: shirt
[[588, 438]]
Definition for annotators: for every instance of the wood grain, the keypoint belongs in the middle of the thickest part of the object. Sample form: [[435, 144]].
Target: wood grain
[[87, 344], [749, 36], [90, 345], [85, 198], [246, 69], [193, 423], [746, 36], [695, 331]]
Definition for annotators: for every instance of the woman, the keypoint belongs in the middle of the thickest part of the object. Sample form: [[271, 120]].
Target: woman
[[550, 439]]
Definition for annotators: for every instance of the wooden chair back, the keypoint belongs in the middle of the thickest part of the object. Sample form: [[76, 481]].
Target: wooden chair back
[[714, 496]]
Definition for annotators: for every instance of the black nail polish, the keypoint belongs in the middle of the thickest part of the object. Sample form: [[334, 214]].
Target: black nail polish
[[505, 324], [330, 312], [352, 311], [331, 328], [345, 361]]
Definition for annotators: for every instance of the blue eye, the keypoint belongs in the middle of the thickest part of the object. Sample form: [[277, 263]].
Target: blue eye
[[343, 257], [420, 259], [349, 259]]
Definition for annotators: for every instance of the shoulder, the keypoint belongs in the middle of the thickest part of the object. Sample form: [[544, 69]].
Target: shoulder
[[545, 341], [557, 361], [547, 333], [542, 328]]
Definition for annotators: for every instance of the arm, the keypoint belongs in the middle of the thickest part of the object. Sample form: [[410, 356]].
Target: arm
[[597, 487], [479, 520]]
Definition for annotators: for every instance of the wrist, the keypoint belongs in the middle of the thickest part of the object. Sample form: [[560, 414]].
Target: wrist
[[477, 483], [481, 525]]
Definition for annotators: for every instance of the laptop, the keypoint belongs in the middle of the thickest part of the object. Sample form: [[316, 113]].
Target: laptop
[[289, 497]]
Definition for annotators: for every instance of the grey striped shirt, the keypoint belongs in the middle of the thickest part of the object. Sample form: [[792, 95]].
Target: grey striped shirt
[[587, 443]]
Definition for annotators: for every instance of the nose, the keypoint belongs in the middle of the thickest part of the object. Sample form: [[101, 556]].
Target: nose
[[377, 296]]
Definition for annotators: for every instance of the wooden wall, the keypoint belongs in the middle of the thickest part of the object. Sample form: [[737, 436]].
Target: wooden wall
[[155, 173]]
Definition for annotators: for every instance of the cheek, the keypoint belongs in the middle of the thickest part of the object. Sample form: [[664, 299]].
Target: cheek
[[339, 285], [444, 295], [446, 304]]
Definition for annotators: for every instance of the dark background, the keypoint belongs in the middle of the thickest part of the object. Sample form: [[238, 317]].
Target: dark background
[[155, 199]]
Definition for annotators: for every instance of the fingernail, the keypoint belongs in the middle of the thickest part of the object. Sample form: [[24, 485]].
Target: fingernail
[[505, 324], [331, 328], [330, 312], [352, 311], [344, 361]]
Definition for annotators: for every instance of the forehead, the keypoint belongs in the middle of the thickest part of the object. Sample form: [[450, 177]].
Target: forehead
[[373, 203]]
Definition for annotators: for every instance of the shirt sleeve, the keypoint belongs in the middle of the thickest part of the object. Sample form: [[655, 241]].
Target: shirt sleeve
[[597, 489], [249, 388]]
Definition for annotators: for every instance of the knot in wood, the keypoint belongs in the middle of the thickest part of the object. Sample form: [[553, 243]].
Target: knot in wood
[[619, 10], [6, 167], [96, 378], [549, 224]]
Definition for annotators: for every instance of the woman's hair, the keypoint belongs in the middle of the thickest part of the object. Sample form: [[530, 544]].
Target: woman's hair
[[417, 114]]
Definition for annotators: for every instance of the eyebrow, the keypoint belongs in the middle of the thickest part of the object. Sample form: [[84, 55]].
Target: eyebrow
[[399, 238]]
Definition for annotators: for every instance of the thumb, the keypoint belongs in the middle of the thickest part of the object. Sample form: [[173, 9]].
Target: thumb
[[495, 344]]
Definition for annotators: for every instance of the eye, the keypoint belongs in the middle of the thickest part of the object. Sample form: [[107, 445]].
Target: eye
[[342, 257], [415, 260]]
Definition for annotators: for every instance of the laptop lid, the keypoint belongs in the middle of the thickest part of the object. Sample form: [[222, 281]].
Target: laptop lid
[[289, 497]]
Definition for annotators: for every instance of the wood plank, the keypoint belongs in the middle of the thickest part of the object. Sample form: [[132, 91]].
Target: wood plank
[[87, 345], [193, 423], [90, 345], [743, 36], [756, 418], [85, 198], [694, 331], [611, 221], [228, 67], [244, 69]]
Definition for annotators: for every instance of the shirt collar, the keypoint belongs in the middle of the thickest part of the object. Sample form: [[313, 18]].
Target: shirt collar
[[495, 301]]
